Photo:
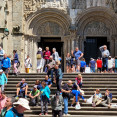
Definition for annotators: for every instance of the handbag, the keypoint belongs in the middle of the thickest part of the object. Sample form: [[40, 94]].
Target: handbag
[[38, 56]]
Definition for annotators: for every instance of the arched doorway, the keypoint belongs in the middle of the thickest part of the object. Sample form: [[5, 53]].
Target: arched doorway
[[96, 27], [50, 27]]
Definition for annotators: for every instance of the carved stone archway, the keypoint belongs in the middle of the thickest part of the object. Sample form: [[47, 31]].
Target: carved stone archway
[[106, 21], [48, 22]]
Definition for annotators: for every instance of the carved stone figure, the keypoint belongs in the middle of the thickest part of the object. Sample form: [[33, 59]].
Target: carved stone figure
[[96, 28], [50, 28]]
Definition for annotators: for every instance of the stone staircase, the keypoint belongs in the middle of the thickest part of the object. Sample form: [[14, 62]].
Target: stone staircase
[[90, 83]]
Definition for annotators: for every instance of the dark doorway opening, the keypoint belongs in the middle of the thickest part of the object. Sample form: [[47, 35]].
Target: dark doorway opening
[[91, 47], [53, 42]]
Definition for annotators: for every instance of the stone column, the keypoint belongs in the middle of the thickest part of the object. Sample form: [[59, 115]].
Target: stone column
[[116, 47], [34, 55]]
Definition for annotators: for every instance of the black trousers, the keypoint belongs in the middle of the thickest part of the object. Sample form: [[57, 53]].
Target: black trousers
[[58, 83], [56, 112]]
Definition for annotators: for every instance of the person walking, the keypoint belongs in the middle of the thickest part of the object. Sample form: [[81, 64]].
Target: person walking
[[65, 93], [59, 76], [56, 104], [15, 61], [45, 95], [78, 55], [6, 64], [27, 64], [2, 52], [105, 55]]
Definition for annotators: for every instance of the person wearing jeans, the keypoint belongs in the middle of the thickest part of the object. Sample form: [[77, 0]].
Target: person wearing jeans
[[65, 93], [1, 56], [58, 75], [107, 99], [45, 95]]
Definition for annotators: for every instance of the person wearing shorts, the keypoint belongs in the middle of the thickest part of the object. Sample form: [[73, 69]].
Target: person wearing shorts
[[78, 54], [6, 64]]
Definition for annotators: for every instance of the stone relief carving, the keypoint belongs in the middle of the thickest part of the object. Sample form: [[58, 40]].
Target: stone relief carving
[[50, 28], [96, 28], [32, 5], [78, 4], [112, 4]]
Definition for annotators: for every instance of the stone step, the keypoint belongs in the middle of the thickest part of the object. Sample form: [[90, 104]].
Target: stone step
[[88, 115], [82, 108], [39, 76], [84, 85], [84, 82], [65, 79], [79, 112]]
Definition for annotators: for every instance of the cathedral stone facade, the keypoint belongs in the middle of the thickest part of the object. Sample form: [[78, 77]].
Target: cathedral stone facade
[[63, 24]]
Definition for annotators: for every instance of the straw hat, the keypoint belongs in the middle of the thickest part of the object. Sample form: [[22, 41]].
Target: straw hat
[[23, 102]]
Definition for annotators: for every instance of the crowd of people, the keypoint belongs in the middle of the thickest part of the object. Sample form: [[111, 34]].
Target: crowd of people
[[39, 95], [105, 64]]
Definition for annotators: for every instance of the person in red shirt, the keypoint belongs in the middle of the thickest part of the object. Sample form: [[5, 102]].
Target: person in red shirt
[[46, 56], [99, 65]]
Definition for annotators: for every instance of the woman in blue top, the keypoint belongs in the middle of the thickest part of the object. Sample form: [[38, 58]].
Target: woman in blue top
[[3, 80], [45, 95], [15, 61]]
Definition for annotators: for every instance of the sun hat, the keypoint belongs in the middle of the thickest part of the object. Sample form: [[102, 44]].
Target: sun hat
[[40, 49], [1, 70], [35, 86], [23, 102]]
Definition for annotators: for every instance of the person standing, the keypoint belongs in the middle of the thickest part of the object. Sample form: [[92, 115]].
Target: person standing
[[99, 65], [82, 65], [59, 76], [56, 104], [6, 64], [45, 95], [46, 55], [3, 80], [55, 54], [2, 52], [68, 62], [27, 64], [15, 61], [92, 65], [65, 93], [40, 61], [115, 64], [78, 55], [105, 55]]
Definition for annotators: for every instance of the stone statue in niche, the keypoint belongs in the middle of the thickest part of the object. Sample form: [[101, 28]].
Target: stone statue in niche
[[96, 28], [50, 28]]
